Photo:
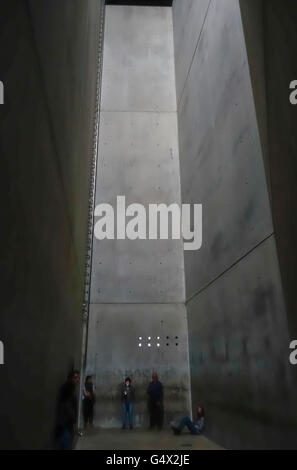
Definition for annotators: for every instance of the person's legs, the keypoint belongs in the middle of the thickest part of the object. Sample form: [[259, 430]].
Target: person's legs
[[66, 440], [130, 414], [85, 413], [159, 416], [187, 422], [151, 412], [88, 411], [124, 414], [154, 416], [91, 416]]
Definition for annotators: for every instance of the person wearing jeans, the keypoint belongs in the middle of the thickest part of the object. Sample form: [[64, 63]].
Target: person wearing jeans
[[128, 397], [195, 427]]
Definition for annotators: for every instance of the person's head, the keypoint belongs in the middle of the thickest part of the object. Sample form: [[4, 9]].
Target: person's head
[[200, 411], [89, 379], [73, 377], [128, 382], [155, 377]]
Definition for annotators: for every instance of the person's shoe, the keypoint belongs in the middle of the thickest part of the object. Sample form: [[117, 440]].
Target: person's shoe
[[175, 430], [123, 427], [131, 427]]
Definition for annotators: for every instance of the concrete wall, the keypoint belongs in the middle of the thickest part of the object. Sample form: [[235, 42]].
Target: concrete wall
[[281, 69], [138, 286], [270, 28], [235, 303], [48, 63], [114, 354]]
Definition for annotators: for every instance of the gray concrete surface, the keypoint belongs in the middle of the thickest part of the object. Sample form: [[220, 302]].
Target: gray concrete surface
[[138, 286], [253, 15], [138, 158], [234, 62], [114, 353], [281, 66], [106, 439], [138, 60], [234, 289], [239, 354], [68, 58], [188, 23], [220, 151], [46, 131]]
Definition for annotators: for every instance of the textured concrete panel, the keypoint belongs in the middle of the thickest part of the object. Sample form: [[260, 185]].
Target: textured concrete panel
[[252, 13], [67, 36], [281, 68], [114, 353], [138, 286], [188, 19], [138, 158], [138, 69], [239, 350], [220, 149], [41, 280]]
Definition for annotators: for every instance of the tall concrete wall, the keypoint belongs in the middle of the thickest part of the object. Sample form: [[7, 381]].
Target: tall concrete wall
[[238, 331], [281, 68], [270, 28], [48, 64], [138, 286]]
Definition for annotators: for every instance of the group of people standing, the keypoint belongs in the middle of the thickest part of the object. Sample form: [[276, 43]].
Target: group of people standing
[[68, 407], [155, 403]]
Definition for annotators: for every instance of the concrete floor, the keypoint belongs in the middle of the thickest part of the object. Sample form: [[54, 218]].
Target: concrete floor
[[139, 439]]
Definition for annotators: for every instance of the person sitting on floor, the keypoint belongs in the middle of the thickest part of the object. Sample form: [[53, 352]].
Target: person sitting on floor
[[195, 427]]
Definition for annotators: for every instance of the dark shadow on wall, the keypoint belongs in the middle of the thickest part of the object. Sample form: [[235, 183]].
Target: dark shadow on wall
[[271, 37], [44, 184]]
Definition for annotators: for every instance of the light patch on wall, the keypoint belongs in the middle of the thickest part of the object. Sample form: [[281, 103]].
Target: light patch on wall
[[293, 95], [1, 93], [1, 353]]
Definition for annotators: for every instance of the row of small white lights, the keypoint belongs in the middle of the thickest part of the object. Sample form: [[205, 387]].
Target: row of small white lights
[[149, 341]]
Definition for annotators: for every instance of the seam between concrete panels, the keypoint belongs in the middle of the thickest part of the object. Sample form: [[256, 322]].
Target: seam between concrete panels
[[140, 111], [193, 57], [138, 303], [206, 286]]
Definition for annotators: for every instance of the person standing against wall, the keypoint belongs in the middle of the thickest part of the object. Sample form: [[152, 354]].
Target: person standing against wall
[[128, 398], [88, 401], [155, 402], [67, 411]]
